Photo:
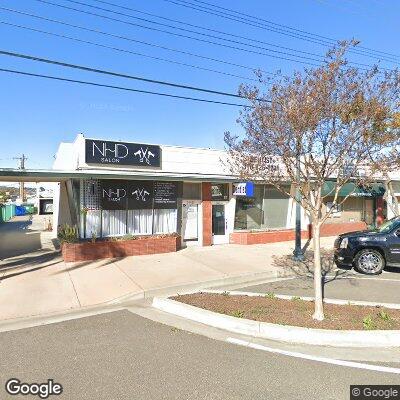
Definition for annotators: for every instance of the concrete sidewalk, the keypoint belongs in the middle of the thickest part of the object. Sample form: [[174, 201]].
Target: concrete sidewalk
[[41, 283]]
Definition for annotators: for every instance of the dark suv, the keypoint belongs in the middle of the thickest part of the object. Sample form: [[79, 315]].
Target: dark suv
[[370, 251]]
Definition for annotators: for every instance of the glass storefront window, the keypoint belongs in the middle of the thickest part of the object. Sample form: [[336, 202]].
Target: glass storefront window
[[267, 209], [125, 218]]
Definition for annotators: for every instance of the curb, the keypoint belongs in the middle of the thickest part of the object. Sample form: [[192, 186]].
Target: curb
[[196, 286], [34, 319], [282, 333]]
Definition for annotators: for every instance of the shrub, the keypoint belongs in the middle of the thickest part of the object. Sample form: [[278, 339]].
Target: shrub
[[238, 314], [270, 295], [68, 234], [383, 315], [368, 323]]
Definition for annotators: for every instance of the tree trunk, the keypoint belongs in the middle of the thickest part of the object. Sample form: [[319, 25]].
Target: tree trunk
[[318, 306]]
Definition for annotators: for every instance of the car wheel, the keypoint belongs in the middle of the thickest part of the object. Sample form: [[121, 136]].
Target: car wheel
[[369, 262]]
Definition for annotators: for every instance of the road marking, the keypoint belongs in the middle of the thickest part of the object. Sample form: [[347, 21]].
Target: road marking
[[342, 363]]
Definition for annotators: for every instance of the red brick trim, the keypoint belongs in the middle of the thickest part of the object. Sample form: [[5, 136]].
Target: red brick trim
[[334, 229], [102, 249], [265, 237], [207, 213]]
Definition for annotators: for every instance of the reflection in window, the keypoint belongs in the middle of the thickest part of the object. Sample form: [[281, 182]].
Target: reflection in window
[[267, 209]]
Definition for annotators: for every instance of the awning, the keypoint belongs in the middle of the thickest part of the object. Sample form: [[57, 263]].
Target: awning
[[352, 190], [51, 175]]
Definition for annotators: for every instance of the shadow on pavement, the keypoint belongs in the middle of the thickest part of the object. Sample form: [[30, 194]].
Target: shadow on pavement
[[29, 259], [305, 268], [16, 238]]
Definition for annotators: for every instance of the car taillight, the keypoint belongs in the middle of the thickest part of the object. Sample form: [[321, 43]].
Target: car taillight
[[344, 243]]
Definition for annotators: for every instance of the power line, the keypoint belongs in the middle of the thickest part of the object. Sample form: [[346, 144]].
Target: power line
[[125, 51], [118, 74], [287, 31], [191, 37], [120, 88], [177, 34], [280, 26], [125, 38], [195, 32], [220, 32]]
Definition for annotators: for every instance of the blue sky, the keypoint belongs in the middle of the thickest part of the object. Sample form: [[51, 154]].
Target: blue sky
[[36, 114]]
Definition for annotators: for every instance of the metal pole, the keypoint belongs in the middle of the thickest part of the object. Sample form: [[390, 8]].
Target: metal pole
[[298, 252]]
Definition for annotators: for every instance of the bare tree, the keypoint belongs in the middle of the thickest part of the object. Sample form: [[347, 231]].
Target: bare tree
[[331, 123]]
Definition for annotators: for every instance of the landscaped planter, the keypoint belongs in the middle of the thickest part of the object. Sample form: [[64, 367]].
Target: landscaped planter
[[86, 251]]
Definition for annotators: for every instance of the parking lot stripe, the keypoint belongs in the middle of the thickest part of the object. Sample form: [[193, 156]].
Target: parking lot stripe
[[342, 363]]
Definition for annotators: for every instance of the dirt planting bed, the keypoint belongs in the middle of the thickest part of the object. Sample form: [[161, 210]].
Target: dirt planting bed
[[295, 312]]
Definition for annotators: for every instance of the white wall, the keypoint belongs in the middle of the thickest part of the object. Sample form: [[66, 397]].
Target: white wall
[[174, 159]]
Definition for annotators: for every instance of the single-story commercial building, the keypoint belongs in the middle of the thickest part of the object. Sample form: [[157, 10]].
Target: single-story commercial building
[[112, 189], [142, 189]]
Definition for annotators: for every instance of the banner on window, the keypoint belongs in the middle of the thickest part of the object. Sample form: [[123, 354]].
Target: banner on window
[[114, 194], [165, 195], [138, 195]]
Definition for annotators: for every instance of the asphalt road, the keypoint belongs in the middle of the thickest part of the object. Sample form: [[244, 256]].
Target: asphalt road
[[349, 286], [17, 237], [120, 355]]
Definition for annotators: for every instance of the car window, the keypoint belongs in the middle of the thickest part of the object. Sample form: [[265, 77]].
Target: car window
[[389, 225]]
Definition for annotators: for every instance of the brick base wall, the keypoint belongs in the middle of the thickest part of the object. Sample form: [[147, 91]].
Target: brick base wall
[[342, 227], [94, 251], [289, 234], [265, 237]]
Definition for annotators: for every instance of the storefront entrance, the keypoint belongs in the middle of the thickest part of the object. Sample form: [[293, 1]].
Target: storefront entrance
[[219, 224], [190, 221]]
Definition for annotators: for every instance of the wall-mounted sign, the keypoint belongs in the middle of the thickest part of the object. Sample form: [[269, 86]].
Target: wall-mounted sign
[[243, 189], [165, 194], [118, 153], [113, 195]]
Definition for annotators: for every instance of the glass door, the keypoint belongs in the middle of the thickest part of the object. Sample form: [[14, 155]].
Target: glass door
[[219, 224]]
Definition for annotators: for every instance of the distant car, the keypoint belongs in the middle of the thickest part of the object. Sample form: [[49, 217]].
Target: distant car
[[370, 251]]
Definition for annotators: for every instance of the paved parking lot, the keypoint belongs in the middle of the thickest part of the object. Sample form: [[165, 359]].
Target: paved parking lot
[[121, 355], [348, 285]]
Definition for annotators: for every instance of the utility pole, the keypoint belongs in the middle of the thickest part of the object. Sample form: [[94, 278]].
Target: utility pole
[[22, 160], [298, 254]]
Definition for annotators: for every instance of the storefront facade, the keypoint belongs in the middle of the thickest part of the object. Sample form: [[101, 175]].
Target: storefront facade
[[120, 189], [131, 189]]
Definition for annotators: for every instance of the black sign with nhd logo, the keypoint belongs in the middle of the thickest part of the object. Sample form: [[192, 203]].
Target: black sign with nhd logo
[[138, 195], [114, 194], [118, 153]]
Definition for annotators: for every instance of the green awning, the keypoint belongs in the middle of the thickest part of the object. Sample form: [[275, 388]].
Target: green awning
[[353, 190]]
